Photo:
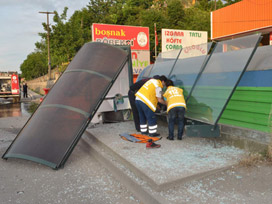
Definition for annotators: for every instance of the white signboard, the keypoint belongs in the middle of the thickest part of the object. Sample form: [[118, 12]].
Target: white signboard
[[189, 40]]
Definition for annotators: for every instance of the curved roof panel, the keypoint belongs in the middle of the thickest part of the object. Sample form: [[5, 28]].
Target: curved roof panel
[[54, 129]]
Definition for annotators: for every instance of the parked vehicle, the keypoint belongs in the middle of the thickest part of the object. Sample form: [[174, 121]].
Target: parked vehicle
[[9, 86]]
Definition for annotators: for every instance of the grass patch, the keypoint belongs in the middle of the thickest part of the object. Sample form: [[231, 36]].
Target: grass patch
[[269, 150], [251, 159], [33, 107], [254, 158]]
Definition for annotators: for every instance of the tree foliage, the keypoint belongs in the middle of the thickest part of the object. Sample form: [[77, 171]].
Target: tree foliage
[[196, 19], [35, 65], [68, 35], [229, 2]]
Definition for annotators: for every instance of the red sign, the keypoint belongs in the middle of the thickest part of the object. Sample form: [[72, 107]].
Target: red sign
[[14, 84], [136, 37]]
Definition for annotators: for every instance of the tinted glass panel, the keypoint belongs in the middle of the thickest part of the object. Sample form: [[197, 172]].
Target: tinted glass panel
[[48, 134], [80, 94], [147, 71], [164, 63], [219, 78], [181, 66], [189, 64], [54, 129]]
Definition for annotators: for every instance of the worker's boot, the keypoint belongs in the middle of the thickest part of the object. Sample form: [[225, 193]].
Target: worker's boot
[[151, 144], [144, 133], [154, 134]]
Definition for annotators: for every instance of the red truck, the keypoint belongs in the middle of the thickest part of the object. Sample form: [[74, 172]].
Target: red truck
[[9, 86]]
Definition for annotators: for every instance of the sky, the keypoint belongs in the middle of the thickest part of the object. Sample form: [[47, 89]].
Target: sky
[[20, 23]]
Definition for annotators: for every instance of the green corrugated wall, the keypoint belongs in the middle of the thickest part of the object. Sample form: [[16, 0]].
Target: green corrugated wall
[[250, 107]]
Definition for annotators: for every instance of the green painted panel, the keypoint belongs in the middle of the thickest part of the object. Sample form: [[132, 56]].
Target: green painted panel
[[244, 125], [250, 107], [254, 118], [257, 95]]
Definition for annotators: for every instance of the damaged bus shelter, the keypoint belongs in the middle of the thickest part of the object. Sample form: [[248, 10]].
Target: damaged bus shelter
[[208, 74], [208, 79]]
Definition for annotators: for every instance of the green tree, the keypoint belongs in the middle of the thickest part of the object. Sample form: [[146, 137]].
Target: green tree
[[35, 65], [132, 9], [59, 50], [196, 19], [99, 10], [147, 18], [209, 5], [68, 35], [229, 2], [175, 12]]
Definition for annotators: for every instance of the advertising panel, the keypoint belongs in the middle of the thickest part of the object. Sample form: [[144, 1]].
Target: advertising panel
[[136, 37], [187, 39], [140, 59]]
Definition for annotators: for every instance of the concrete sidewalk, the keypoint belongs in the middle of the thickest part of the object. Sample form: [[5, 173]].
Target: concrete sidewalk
[[174, 162], [155, 175]]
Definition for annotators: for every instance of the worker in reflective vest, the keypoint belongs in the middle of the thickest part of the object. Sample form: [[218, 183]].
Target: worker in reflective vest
[[131, 96], [147, 99], [176, 106]]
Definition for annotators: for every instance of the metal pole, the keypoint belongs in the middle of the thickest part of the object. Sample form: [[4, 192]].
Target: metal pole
[[212, 48], [174, 64], [155, 41], [48, 43], [48, 48]]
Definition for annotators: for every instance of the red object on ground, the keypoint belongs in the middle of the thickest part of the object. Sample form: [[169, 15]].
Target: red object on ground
[[152, 144], [46, 90]]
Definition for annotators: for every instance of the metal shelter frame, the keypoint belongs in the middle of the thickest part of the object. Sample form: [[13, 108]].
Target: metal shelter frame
[[195, 126]]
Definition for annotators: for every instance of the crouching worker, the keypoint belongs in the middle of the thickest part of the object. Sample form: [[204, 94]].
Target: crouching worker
[[146, 102], [175, 108], [131, 96]]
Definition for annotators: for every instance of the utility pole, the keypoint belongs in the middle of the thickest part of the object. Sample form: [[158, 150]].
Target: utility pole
[[156, 40], [48, 43], [214, 4]]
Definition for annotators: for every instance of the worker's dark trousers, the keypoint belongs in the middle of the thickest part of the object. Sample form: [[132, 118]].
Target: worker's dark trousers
[[131, 97], [146, 116]]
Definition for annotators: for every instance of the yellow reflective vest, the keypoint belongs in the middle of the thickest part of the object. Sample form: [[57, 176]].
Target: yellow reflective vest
[[174, 97], [147, 93]]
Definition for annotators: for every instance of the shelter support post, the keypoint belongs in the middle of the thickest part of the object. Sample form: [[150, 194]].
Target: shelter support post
[[199, 129]]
